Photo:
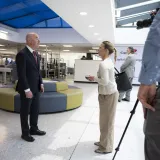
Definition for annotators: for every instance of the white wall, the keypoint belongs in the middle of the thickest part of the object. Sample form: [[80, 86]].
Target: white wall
[[130, 36], [84, 68], [69, 58]]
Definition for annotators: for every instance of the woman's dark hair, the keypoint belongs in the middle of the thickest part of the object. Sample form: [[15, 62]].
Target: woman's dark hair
[[108, 45], [132, 50]]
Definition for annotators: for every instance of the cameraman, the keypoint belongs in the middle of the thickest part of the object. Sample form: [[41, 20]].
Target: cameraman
[[148, 95]]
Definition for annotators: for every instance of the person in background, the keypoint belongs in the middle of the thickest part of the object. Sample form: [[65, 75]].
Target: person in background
[[6, 61], [11, 62], [148, 94], [29, 86], [83, 58], [108, 98], [129, 68]]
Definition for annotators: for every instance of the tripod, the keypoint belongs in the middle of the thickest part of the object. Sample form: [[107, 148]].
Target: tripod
[[132, 112]]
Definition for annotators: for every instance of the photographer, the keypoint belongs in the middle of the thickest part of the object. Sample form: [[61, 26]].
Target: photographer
[[148, 95]]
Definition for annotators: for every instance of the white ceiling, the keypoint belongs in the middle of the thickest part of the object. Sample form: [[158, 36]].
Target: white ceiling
[[100, 13]]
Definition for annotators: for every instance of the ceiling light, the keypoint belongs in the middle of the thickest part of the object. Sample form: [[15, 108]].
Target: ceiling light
[[67, 46], [83, 13], [8, 52], [1, 49], [93, 51], [91, 26], [42, 45], [96, 34], [66, 50], [46, 50], [3, 32], [1, 45], [95, 48]]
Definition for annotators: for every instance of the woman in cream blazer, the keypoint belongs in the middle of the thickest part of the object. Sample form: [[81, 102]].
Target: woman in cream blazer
[[108, 98]]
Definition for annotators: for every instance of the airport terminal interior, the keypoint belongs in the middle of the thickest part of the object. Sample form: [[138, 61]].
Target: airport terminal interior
[[70, 33]]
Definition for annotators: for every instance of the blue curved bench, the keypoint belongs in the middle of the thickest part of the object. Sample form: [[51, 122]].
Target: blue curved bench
[[58, 96]]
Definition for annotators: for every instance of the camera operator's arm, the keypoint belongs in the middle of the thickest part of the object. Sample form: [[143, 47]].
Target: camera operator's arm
[[150, 71]]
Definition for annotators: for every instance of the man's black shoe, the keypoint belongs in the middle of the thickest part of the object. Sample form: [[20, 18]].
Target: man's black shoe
[[37, 132], [28, 138], [124, 99]]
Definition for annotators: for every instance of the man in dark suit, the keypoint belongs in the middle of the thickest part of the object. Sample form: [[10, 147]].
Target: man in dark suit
[[29, 86]]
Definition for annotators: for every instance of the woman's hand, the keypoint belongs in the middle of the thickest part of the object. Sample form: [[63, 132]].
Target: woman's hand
[[91, 78]]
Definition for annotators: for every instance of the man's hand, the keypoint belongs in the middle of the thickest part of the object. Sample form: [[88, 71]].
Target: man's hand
[[144, 112], [146, 96], [42, 88], [29, 94]]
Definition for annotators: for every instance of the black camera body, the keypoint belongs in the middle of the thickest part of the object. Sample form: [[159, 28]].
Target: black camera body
[[147, 22]]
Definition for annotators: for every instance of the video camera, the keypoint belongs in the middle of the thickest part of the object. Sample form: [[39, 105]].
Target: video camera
[[147, 22]]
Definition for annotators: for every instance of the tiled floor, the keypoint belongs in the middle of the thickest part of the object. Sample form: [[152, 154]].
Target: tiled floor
[[70, 135]]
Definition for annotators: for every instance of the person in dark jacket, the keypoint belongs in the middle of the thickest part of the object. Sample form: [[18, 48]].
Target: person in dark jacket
[[29, 86]]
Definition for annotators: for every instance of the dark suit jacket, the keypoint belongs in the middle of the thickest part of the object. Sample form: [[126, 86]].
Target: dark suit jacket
[[28, 71]]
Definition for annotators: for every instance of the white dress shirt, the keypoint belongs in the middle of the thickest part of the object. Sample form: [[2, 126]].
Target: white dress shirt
[[106, 78], [31, 50]]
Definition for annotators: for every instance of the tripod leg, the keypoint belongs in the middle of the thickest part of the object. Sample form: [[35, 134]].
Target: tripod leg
[[132, 112]]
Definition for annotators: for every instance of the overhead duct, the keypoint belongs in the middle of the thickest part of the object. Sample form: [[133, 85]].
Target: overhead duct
[[132, 20], [140, 9], [124, 3]]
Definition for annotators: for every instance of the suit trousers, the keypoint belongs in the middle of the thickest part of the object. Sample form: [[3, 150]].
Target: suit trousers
[[29, 106], [107, 104], [152, 132], [121, 94]]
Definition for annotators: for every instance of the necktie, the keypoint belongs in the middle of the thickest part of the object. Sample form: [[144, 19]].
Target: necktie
[[35, 55]]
